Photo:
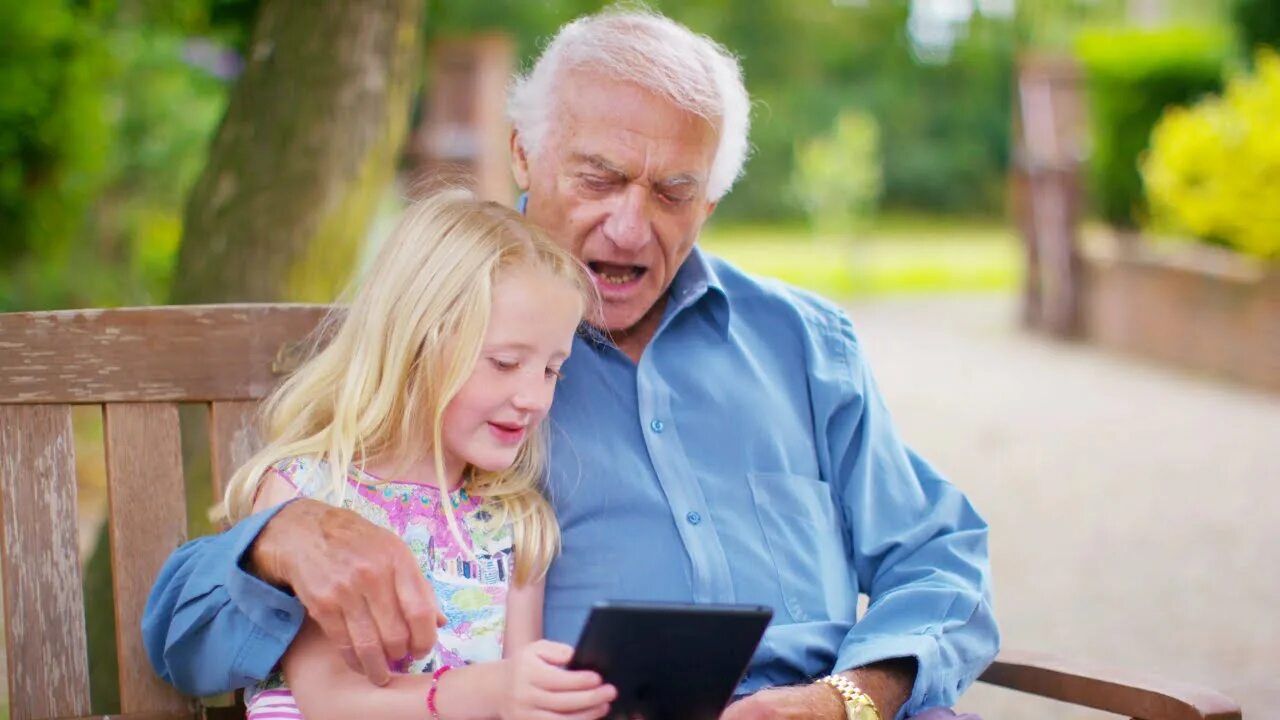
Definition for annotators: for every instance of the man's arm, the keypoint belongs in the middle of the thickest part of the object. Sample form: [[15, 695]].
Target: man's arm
[[209, 626], [918, 546], [218, 618]]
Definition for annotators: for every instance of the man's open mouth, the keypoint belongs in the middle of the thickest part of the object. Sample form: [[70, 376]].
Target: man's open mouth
[[615, 274]]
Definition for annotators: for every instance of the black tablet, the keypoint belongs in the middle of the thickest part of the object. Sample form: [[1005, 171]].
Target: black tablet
[[670, 661]]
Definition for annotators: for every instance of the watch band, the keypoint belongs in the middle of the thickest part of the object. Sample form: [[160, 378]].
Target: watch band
[[857, 704]]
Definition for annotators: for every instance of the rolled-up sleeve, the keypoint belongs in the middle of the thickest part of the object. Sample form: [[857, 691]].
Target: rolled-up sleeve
[[917, 545], [210, 627]]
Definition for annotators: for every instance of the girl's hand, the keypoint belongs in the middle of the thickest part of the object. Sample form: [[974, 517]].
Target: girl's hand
[[538, 687]]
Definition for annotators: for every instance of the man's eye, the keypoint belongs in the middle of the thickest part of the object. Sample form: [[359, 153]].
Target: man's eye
[[595, 182], [504, 365]]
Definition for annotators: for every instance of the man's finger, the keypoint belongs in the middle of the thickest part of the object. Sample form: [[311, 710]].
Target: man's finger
[[384, 606], [367, 645], [334, 627], [417, 602]]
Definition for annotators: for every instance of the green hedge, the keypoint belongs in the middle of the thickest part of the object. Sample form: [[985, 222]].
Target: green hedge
[[1258, 23], [1131, 76]]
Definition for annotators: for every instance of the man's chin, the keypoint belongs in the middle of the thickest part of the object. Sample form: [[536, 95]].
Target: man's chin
[[623, 322], [620, 326], [617, 321]]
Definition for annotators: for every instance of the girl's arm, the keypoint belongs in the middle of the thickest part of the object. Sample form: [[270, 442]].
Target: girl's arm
[[326, 689], [530, 682], [524, 616]]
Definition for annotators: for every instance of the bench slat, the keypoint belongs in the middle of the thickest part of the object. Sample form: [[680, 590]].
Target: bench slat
[[233, 438], [148, 516], [192, 715], [43, 599], [195, 353]]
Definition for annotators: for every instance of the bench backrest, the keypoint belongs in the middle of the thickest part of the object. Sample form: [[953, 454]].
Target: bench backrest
[[137, 364]]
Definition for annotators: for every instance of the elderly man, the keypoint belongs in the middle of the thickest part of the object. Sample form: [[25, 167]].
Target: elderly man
[[717, 438]]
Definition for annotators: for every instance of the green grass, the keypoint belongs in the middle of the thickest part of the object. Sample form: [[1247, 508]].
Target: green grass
[[896, 255]]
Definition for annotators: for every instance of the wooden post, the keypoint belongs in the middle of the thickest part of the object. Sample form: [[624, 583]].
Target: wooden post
[[1047, 191], [464, 135]]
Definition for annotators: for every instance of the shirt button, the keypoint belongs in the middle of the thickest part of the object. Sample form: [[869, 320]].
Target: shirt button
[[693, 518], [282, 615], [657, 426]]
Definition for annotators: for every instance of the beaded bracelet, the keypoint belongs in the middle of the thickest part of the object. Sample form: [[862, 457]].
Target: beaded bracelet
[[435, 684]]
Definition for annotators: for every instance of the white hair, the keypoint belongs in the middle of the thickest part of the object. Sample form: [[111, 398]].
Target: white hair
[[643, 47]]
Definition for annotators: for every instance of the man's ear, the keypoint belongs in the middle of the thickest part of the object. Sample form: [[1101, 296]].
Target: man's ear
[[711, 207], [519, 163]]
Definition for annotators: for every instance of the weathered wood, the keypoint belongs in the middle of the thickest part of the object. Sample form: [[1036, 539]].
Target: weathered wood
[[196, 353], [1111, 689], [192, 715], [233, 438], [44, 607], [148, 520]]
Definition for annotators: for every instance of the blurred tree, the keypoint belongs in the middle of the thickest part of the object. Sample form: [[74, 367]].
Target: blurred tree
[[53, 133], [103, 127], [306, 148], [837, 177], [1258, 22]]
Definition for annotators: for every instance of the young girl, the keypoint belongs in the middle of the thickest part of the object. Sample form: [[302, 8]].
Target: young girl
[[423, 415]]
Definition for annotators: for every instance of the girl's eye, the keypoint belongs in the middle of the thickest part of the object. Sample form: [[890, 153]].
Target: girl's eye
[[504, 365], [555, 373]]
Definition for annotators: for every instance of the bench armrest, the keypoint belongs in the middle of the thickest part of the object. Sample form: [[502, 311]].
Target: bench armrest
[[1106, 688]]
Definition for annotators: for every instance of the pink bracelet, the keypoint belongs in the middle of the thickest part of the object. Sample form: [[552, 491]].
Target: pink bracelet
[[435, 685]]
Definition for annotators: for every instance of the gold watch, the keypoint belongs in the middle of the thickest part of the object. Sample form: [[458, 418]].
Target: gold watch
[[857, 704]]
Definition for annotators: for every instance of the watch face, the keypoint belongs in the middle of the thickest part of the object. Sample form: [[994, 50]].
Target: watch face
[[864, 712], [863, 709]]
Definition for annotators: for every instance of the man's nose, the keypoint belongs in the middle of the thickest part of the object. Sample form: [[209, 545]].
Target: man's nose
[[628, 226]]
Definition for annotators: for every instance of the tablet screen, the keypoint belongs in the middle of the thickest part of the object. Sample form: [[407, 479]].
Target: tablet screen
[[670, 661]]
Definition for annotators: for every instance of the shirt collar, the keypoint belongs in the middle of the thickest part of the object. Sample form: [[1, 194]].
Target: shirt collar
[[697, 282]]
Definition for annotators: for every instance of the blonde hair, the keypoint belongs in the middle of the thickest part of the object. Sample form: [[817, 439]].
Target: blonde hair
[[410, 340]]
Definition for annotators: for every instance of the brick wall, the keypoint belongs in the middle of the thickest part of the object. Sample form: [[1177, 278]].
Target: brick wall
[[1198, 308]]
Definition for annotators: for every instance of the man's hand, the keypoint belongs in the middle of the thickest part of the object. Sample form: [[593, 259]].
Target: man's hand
[[799, 702], [359, 582], [888, 684]]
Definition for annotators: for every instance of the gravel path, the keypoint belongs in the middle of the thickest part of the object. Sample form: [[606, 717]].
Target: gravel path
[[1134, 509]]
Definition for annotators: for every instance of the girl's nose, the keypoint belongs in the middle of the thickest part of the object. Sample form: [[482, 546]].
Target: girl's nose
[[534, 398]]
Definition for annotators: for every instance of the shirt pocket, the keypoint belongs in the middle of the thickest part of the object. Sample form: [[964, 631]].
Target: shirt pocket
[[806, 539]]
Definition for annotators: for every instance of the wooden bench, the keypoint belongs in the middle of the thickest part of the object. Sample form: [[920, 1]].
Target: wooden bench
[[138, 364]]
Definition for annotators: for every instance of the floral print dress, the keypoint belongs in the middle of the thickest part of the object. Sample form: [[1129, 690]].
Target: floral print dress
[[471, 584]]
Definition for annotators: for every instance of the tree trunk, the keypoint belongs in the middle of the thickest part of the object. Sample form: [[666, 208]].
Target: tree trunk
[[309, 142]]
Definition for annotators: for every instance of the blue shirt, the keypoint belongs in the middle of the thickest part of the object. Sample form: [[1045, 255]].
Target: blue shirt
[[747, 457]]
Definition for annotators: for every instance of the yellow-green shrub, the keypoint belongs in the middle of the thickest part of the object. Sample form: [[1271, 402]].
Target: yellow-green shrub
[[1213, 169]]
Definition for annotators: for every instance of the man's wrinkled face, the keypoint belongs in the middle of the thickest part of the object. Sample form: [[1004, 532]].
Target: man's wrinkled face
[[621, 181]]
